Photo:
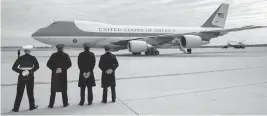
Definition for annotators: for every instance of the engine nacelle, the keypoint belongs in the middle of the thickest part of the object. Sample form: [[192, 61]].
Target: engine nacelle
[[138, 46], [192, 41]]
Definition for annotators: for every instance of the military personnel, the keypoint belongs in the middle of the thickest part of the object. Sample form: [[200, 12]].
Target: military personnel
[[86, 64], [108, 64], [25, 65], [59, 63]]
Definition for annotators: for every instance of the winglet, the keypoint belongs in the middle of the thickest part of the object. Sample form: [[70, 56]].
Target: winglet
[[218, 18]]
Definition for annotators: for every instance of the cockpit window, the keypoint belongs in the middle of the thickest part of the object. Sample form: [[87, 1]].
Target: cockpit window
[[55, 22]]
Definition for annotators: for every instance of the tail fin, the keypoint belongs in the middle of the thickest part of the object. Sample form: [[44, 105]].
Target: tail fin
[[218, 18]]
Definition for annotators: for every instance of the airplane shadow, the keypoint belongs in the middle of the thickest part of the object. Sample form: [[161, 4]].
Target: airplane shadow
[[177, 55]]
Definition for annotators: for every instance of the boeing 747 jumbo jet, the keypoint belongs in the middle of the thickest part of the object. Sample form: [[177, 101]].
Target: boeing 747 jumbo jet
[[136, 39]]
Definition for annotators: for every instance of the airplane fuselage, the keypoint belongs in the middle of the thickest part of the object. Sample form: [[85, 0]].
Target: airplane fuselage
[[136, 39], [75, 33]]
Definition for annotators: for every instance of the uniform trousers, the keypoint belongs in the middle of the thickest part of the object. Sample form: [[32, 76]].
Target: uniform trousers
[[20, 90], [89, 94], [64, 98], [113, 93]]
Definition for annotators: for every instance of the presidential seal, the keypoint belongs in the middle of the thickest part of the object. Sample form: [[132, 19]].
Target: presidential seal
[[74, 40]]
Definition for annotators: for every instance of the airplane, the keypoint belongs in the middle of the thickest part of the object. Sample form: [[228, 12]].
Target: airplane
[[136, 39]]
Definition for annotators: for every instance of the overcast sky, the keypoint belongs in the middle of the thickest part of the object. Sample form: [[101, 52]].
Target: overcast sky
[[20, 18]]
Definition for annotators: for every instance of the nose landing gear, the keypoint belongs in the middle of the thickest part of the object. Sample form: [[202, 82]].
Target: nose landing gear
[[189, 51]]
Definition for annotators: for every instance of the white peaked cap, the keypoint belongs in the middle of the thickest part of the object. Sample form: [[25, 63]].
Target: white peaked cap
[[27, 47]]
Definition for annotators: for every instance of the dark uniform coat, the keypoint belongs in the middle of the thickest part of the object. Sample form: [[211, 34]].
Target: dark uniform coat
[[26, 60], [86, 63], [108, 61], [59, 81]]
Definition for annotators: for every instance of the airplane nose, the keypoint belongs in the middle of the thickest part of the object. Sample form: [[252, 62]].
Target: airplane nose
[[36, 33]]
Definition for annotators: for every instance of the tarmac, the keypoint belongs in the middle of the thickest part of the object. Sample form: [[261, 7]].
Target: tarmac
[[208, 81]]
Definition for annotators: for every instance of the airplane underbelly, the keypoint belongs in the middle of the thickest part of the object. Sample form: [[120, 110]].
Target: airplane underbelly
[[71, 41], [77, 42]]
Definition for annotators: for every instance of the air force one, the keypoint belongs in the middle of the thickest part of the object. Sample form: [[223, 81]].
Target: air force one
[[136, 39]]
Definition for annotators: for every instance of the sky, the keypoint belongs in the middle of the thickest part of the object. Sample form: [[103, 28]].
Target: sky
[[20, 18]]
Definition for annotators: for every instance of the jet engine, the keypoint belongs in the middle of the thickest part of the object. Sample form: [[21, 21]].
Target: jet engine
[[136, 46], [192, 41]]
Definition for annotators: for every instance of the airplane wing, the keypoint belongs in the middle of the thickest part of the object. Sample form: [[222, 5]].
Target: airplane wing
[[123, 42], [168, 38], [222, 32]]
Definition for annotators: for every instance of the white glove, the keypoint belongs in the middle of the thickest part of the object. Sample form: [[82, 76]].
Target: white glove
[[109, 71], [58, 70], [86, 75], [25, 73]]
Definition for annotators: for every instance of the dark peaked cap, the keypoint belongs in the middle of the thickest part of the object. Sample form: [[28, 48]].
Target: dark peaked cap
[[107, 48], [60, 46], [87, 45]]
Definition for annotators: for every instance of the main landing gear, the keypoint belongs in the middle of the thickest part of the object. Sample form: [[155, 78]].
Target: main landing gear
[[148, 52], [189, 51], [152, 52]]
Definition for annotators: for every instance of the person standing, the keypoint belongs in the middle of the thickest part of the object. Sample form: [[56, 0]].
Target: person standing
[[86, 64], [59, 63], [25, 65], [108, 64]]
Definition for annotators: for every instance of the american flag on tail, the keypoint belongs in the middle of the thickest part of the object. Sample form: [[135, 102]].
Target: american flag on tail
[[221, 15]]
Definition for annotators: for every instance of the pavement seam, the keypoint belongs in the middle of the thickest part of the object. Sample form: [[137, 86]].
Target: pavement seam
[[124, 103], [127, 106], [200, 91], [152, 76]]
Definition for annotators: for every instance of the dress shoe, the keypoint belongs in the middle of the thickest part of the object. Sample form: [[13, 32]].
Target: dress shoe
[[66, 105], [50, 106], [81, 103], [104, 101], [34, 107], [15, 110]]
